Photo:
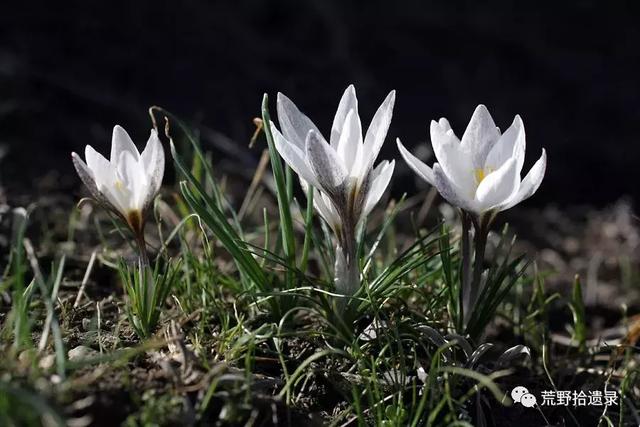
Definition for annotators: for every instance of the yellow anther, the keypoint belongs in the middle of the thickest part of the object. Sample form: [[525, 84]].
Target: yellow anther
[[481, 173]]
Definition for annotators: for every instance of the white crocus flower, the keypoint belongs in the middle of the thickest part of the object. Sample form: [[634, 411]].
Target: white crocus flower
[[481, 176], [346, 185], [481, 173], [128, 182]]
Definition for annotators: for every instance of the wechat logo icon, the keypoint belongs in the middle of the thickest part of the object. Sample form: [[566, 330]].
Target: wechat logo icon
[[522, 396]]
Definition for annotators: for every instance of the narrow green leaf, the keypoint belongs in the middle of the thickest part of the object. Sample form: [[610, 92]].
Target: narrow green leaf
[[283, 190]]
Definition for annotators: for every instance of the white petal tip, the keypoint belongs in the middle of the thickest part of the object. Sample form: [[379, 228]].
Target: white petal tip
[[119, 130], [517, 122], [482, 112], [281, 98], [441, 125], [392, 163], [444, 123]]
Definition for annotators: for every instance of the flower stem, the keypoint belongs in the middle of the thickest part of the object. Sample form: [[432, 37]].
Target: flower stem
[[347, 272], [474, 286], [480, 242], [147, 283], [142, 249], [465, 291]]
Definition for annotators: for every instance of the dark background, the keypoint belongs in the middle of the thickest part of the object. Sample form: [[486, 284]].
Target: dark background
[[70, 70]]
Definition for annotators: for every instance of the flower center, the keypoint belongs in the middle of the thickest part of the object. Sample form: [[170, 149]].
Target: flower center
[[134, 218], [481, 173]]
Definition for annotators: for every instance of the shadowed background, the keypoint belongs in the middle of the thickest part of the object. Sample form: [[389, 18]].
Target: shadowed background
[[68, 73]]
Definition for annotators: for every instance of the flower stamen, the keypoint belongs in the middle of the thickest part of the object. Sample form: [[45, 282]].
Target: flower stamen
[[482, 173]]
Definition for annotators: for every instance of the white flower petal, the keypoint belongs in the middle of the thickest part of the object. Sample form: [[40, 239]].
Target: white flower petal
[[454, 160], [381, 176], [149, 155], [104, 175], [324, 206], [152, 158], [133, 184], [480, 136], [103, 171], [350, 140], [530, 183], [441, 133], [450, 191], [423, 171], [498, 186], [86, 176], [295, 125], [445, 126], [325, 163], [511, 144], [294, 156], [348, 102], [377, 131], [121, 141]]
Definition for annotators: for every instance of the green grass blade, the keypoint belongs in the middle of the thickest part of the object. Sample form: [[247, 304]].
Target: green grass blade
[[283, 190]]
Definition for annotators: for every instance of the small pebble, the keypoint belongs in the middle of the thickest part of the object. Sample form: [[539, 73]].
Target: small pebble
[[81, 352], [47, 362], [25, 356]]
